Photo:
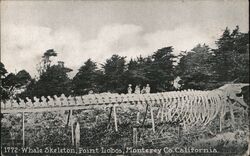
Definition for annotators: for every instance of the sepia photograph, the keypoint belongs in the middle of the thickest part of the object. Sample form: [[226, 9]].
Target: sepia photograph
[[124, 78]]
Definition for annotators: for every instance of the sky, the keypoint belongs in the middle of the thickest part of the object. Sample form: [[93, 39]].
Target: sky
[[78, 30]]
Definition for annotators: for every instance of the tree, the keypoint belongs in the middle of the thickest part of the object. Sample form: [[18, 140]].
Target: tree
[[114, 69], [3, 71], [136, 72], [45, 61], [161, 70], [23, 77], [86, 79], [195, 68], [54, 81], [12, 84], [18, 83], [3, 88], [232, 56]]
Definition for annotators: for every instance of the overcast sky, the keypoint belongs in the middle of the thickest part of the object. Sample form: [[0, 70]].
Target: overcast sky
[[79, 30]]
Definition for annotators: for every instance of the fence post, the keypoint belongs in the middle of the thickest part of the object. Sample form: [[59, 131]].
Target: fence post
[[116, 127], [152, 118], [96, 119], [221, 120], [72, 128], [135, 137], [77, 135], [23, 130], [232, 115]]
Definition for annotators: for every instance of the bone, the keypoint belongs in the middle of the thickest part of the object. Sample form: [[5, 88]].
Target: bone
[[64, 100], [37, 102], [51, 102], [22, 103], [29, 103], [44, 102]]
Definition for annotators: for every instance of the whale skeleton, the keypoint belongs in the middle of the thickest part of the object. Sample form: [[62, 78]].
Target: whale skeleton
[[190, 107]]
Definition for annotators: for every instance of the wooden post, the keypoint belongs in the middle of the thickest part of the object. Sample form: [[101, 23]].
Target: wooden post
[[152, 118], [77, 135], [135, 138], [221, 120], [96, 119], [23, 131], [232, 115], [110, 114], [115, 118], [72, 128]]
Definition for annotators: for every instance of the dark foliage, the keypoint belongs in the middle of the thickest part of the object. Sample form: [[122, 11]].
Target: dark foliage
[[204, 68], [54, 81], [232, 57], [114, 70], [86, 79]]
